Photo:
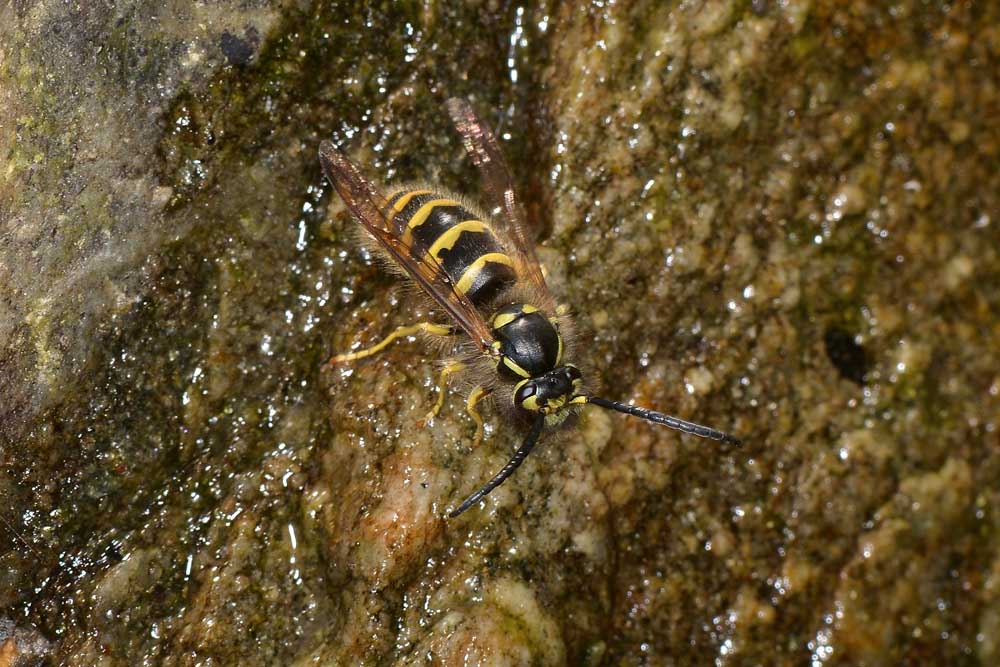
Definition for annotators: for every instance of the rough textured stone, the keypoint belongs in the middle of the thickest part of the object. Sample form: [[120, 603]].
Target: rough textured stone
[[775, 218]]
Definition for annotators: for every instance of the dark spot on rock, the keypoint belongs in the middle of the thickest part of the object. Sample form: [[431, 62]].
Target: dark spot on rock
[[848, 357], [239, 51]]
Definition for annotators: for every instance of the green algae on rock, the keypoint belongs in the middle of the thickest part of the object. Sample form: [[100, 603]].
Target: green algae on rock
[[717, 184]]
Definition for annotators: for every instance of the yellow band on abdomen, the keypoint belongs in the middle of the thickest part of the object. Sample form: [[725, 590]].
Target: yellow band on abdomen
[[401, 203], [447, 240], [468, 278], [420, 217]]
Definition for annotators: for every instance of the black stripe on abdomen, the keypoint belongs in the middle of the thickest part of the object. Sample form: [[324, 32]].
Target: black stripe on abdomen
[[486, 283], [469, 247], [440, 220], [463, 247]]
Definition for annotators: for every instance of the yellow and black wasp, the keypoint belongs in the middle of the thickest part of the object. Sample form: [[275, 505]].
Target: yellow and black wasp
[[482, 271]]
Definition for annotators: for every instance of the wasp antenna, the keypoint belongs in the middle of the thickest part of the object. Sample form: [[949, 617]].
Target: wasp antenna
[[666, 420], [508, 469]]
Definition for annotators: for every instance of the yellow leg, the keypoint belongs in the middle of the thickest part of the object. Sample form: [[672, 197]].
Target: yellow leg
[[477, 395], [447, 371], [401, 332]]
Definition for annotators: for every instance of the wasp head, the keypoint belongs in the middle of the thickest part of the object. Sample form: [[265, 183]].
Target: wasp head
[[550, 394]]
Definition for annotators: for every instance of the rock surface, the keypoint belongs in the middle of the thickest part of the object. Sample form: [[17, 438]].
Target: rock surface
[[779, 219]]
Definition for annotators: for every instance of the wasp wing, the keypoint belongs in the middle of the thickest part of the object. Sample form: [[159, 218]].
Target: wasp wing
[[369, 205], [498, 185]]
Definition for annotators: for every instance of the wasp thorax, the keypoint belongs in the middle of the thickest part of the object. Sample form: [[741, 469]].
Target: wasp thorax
[[550, 392], [528, 343]]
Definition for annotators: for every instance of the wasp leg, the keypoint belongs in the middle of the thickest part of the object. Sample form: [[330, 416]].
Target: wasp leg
[[446, 372], [477, 395], [401, 332]]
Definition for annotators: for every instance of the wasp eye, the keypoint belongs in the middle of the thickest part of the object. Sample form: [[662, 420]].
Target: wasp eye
[[527, 396], [525, 392]]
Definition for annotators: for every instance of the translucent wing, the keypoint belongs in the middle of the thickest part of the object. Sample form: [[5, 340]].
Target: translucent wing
[[498, 185], [368, 204]]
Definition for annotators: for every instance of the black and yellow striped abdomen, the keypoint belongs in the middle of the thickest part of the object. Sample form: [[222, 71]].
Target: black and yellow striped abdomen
[[462, 245]]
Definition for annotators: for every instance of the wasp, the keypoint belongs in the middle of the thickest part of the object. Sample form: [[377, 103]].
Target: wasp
[[481, 270]]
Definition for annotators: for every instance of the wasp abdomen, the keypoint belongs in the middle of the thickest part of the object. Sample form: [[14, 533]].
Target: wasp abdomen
[[462, 245]]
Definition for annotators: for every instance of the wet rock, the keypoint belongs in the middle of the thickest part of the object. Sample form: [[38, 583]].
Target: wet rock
[[718, 186]]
